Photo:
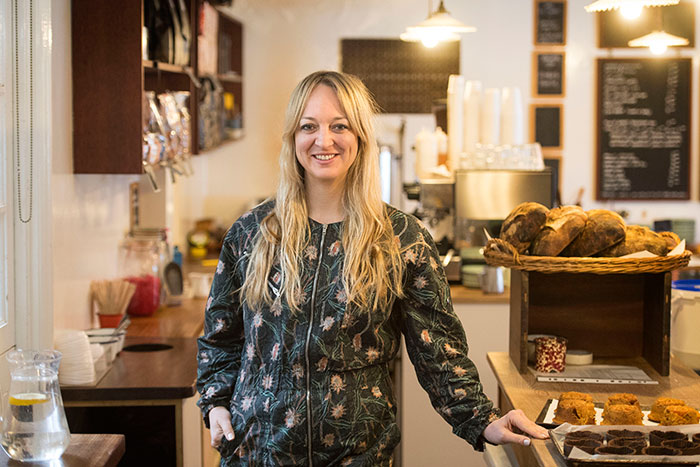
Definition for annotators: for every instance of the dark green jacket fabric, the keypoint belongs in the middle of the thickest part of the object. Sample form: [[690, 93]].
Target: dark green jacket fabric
[[313, 387]]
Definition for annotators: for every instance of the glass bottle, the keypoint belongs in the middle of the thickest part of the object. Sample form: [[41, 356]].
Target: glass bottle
[[139, 263], [34, 426]]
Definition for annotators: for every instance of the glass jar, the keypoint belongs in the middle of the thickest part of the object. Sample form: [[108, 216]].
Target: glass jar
[[140, 264]]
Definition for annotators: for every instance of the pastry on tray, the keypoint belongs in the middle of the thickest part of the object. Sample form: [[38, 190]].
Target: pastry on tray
[[637, 444], [576, 412], [680, 415], [688, 448], [656, 437], [573, 395], [659, 405], [622, 415], [624, 434]]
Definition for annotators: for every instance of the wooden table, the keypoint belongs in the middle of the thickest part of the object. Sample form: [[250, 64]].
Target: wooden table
[[186, 320], [522, 391], [95, 450]]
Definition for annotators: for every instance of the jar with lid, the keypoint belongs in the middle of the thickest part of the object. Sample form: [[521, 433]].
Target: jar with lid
[[139, 263]]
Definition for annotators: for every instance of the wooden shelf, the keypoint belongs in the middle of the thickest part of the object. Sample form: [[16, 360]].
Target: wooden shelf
[[230, 78]]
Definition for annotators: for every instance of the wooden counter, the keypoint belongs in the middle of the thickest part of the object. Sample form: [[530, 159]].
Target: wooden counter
[[522, 391], [186, 320], [83, 451], [462, 294]]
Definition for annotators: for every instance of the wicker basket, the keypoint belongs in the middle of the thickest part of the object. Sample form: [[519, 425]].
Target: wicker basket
[[501, 253]]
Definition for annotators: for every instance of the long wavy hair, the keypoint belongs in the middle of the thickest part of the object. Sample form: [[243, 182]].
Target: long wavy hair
[[372, 268]]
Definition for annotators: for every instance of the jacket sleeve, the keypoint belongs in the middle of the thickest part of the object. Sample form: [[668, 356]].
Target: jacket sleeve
[[436, 342], [220, 347]]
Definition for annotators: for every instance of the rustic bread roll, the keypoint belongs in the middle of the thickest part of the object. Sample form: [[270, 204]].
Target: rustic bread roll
[[562, 226], [637, 238], [603, 229], [671, 239], [523, 224]]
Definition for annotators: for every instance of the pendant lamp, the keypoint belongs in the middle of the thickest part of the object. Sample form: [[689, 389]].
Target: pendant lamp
[[658, 40], [605, 5], [440, 26]]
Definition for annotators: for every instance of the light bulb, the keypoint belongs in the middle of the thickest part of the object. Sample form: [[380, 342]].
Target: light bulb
[[631, 10], [430, 41], [658, 48]]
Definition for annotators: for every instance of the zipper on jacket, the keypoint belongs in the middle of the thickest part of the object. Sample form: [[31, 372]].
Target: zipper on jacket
[[306, 349]]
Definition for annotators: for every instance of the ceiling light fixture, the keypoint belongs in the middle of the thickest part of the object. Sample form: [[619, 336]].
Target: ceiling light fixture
[[627, 6], [440, 26], [658, 42]]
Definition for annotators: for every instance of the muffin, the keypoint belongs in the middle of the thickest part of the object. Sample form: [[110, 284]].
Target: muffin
[[622, 415], [576, 412], [621, 399], [573, 395], [656, 437], [660, 451], [635, 443], [659, 405], [680, 415], [687, 448]]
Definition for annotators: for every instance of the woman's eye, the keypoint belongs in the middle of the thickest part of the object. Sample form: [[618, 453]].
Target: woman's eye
[[340, 127], [307, 127]]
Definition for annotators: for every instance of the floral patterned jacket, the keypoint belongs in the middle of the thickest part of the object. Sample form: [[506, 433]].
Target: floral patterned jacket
[[313, 387]]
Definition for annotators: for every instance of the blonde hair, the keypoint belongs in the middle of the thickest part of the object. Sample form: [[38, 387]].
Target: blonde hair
[[372, 269]]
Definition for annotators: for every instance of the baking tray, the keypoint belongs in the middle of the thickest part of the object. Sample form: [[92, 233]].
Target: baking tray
[[579, 457], [546, 416]]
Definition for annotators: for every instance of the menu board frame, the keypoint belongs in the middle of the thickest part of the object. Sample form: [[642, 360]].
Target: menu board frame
[[537, 33], [536, 62], [533, 127], [557, 172], [686, 141]]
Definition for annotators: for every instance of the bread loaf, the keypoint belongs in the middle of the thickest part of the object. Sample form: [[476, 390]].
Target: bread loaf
[[523, 224], [671, 239], [637, 238], [563, 224], [603, 229]]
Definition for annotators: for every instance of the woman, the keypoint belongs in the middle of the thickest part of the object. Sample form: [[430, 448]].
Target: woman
[[312, 293]]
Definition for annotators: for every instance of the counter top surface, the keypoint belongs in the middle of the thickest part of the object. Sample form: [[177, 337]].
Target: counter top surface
[[185, 320], [466, 295], [84, 450], [151, 375], [522, 391]]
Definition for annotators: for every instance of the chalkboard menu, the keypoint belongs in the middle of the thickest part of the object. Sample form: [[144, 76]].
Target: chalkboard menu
[[550, 22], [643, 128], [547, 126], [549, 74]]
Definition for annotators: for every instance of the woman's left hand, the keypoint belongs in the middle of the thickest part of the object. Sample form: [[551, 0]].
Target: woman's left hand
[[501, 431]]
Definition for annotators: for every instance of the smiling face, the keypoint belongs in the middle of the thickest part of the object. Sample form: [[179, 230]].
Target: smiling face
[[325, 145]]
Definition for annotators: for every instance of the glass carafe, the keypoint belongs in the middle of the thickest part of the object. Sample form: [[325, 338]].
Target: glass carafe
[[34, 426]]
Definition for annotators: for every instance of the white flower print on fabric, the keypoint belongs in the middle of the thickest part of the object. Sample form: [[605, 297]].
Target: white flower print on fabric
[[433, 263], [211, 390], [220, 267], [321, 365], [341, 296], [328, 440], [250, 351], [291, 418], [460, 393], [257, 319], [276, 277], [376, 392], [203, 357], [410, 256], [267, 381], [459, 371], [276, 308], [219, 326], [327, 323], [420, 282], [451, 351], [338, 411], [425, 336], [298, 371], [275, 351], [211, 299], [337, 384], [247, 403], [311, 252], [334, 248]]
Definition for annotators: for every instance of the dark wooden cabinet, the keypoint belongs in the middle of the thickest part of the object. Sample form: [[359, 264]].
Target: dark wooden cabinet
[[110, 79]]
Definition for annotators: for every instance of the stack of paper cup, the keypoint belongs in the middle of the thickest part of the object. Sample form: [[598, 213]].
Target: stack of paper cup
[[491, 117], [76, 366], [472, 115], [512, 117], [455, 116], [426, 153]]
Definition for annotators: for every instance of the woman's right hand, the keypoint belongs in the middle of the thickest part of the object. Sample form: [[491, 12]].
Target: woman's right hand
[[220, 425]]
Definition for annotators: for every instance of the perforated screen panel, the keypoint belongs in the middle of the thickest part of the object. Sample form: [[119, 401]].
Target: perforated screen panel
[[405, 77]]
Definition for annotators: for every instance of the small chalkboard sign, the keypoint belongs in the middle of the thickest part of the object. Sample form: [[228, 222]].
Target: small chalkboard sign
[[550, 22], [547, 125], [549, 71], [554, 164], [615, 31], [643, 128]]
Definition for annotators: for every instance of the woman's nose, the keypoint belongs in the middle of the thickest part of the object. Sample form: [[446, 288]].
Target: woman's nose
[[324, 138]]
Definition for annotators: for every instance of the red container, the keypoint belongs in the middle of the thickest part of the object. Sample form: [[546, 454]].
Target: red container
[[109, 321], [146, 298]]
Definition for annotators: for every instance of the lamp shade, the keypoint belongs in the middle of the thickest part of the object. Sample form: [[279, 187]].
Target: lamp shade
[[605, 5], [440, 26]]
